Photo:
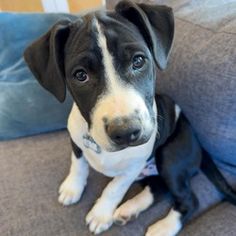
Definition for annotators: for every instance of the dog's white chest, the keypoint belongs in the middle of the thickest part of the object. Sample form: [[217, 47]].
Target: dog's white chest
[[116, 163]]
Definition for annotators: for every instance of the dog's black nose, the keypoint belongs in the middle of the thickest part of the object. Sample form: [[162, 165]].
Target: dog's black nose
[[123, 131]]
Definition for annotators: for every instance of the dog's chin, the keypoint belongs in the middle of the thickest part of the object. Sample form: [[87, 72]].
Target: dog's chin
[[116, 148]]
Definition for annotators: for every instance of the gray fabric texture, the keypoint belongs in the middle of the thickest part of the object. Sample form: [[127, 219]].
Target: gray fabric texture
[[216, 15], [219, 221], [31, 171]]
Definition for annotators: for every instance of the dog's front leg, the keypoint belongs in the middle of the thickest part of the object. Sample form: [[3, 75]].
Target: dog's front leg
[[100, 218], [73, 186]]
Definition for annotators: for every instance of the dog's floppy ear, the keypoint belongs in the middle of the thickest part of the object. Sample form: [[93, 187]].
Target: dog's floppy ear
[[45, 58], [156, 24]]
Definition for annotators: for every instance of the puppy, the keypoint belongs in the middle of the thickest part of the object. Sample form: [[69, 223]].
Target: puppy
[[118, 125]]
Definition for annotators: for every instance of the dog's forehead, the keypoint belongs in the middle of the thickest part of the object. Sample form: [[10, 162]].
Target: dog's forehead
[[116, 29], [82, 36]]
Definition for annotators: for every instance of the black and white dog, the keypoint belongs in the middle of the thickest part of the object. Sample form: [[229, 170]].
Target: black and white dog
[[108, 60]]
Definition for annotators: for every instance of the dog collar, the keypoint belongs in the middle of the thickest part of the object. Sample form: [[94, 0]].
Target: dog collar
[[91, 144]]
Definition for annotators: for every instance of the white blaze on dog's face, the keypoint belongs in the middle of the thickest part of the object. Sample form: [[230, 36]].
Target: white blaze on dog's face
[[120, 106]]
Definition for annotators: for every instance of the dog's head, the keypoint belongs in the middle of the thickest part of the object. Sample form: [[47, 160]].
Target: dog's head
[[107, 61]]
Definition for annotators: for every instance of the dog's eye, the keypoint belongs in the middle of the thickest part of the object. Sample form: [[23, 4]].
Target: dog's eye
[[138, 62], [80, 75]]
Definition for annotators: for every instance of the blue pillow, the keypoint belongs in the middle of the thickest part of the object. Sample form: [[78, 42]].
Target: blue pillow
[[25, 107]]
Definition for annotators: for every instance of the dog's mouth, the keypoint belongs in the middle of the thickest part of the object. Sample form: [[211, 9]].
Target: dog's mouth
[[116, 148], [113, 147], [90, 143]]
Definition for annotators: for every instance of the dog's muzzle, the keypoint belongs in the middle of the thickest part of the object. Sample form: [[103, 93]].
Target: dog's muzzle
[[124, 132]]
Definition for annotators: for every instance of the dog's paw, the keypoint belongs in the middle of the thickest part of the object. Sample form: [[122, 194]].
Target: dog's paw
[[99, 219], [133, 207], [160, 229], [168, 226], [70, 191], [125, 213]]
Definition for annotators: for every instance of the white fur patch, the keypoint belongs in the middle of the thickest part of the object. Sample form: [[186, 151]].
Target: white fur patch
[[99, 218], [77, 126], [177, 112], [133, 207], [110, 72], [73, 186], [168, 226]]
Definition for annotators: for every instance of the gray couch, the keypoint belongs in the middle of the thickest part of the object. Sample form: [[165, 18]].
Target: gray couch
[[31, 171], [200, 77]]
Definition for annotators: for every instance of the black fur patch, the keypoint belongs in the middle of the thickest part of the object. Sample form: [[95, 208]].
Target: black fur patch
[[77, 151]]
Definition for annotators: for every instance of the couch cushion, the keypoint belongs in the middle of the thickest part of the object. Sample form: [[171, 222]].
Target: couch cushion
[[25, 107], [201, 75], [219, 221]]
